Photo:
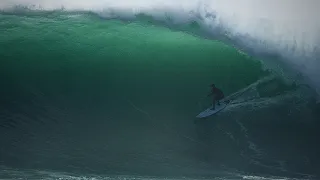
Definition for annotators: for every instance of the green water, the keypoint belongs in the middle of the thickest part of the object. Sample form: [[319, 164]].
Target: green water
[[97, 79], [81, 93], [81, 54]]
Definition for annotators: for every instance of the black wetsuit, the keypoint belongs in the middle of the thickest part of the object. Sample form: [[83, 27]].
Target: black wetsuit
[[217, 95]]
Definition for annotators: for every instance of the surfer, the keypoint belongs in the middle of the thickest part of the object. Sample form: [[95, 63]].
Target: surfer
[[217, 95]]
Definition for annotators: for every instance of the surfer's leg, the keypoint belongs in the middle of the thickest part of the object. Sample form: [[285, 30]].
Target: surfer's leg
[[219, 98], [213, 103], [218, 101]]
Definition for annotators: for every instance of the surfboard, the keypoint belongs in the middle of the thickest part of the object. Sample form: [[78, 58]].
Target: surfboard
[[209, 111]]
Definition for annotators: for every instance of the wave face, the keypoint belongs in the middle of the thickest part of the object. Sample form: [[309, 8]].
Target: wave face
[[286, 31], [87, 93]]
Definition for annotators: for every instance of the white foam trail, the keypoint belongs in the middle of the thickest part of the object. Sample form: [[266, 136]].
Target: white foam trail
[[289, 28]]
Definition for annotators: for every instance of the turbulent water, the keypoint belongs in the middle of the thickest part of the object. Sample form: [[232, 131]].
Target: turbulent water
[[88, 97]]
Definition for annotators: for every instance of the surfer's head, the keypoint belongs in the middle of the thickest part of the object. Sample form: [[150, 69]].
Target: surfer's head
[[212, 85]]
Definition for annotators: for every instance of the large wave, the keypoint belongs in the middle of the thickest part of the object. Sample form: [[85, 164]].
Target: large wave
[[79, 95], [278, 32]]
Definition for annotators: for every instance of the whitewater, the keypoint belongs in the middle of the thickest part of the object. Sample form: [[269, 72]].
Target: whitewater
[[286, 31]]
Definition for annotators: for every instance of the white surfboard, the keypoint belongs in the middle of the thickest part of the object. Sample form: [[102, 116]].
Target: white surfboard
[[209, 111]]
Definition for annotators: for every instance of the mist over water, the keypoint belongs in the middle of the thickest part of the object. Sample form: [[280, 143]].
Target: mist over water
[[81, 94]]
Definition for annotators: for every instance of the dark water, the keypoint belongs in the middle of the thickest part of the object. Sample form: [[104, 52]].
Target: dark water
[[81, 95]]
